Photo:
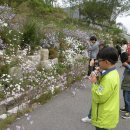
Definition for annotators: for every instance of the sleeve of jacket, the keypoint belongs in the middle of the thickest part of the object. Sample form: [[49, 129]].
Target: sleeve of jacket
[[103, 91], [128, 66]]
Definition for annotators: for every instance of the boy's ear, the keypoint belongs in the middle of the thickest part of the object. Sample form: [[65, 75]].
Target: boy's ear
[[108, 62]]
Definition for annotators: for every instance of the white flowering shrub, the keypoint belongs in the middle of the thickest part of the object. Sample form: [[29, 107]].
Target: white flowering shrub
[[6, 14], [77, 34], [11, 39], [74, 49], [51, 40]]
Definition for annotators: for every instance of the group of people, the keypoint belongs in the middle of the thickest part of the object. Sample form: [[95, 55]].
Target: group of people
[[105, 85]]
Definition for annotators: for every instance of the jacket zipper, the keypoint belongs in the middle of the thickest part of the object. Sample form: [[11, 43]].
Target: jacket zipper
[[97, 111]]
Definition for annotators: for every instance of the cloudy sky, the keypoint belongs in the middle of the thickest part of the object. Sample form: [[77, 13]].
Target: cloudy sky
[[125, 20]]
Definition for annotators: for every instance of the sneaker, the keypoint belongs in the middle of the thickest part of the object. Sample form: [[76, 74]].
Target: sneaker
[[123, 109], [86, 119], [126, 115]]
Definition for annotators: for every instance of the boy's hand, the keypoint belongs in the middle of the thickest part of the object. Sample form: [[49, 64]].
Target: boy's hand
[[93, 78], [91, 62], [98, 70]]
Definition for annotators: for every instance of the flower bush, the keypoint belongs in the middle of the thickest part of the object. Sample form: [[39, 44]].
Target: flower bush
[[50, 40]]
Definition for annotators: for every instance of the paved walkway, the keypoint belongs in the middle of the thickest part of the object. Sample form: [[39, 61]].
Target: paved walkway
[[64, 111]]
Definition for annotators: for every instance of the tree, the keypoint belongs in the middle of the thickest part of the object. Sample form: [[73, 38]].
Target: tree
[[11, 2], [49, 2], [98, 11], [120, 7], [73, 5]]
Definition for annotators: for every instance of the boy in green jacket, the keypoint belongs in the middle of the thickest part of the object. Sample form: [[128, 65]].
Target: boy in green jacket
[[105, 91]]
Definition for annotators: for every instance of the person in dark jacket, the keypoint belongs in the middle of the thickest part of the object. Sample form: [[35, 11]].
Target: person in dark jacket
[[126, 87], [118, 47]]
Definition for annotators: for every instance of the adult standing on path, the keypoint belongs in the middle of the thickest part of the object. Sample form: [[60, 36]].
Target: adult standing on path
[[124, 46], [126, 88], [105, 91]]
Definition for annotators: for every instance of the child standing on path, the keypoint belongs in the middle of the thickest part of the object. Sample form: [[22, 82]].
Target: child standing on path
[[105, 91], [126, 88], [88, 117], [93, 51]]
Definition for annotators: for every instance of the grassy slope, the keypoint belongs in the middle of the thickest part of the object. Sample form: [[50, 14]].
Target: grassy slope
[[54, 18]]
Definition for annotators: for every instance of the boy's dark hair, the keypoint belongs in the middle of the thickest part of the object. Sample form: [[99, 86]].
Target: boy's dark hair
[[108, 53], [93, 38]]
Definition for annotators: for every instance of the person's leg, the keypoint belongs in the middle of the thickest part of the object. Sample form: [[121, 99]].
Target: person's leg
[[89, 114], [90, 67], [87, 118], [97, 128], [124, 96], [127, 100]]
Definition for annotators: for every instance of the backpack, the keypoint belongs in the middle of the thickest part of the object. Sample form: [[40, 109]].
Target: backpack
[[128, 49]]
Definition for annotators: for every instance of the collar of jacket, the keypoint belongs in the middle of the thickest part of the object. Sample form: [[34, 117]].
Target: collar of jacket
[[109, 70]]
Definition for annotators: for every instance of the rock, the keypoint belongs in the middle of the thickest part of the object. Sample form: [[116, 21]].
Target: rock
[[46, 64], [2, 108], [54, 61], [16, 72], [44, 54], [35, 58]]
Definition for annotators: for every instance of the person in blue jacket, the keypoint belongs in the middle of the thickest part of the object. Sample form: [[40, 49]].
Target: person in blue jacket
[[125, 86]]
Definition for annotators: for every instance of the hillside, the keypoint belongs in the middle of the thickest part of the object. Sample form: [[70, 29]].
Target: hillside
[[42, 18]]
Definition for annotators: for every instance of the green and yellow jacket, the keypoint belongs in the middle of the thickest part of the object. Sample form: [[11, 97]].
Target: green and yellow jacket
[[105, 100]]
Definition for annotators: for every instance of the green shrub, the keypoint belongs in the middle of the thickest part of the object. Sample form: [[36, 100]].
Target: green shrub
[[12, 3], [11, 38], [40, 7], [2, 95], [57, 91], [44, 97], [53, 53], [4, 69], [63, 46], [4, 123], [60, 68], [30, 36]]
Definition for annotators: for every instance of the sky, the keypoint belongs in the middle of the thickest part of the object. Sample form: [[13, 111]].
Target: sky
[[125, 20], [60, 3]]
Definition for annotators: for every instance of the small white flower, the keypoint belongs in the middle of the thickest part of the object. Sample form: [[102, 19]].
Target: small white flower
[[5, 25], [10, 31]]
